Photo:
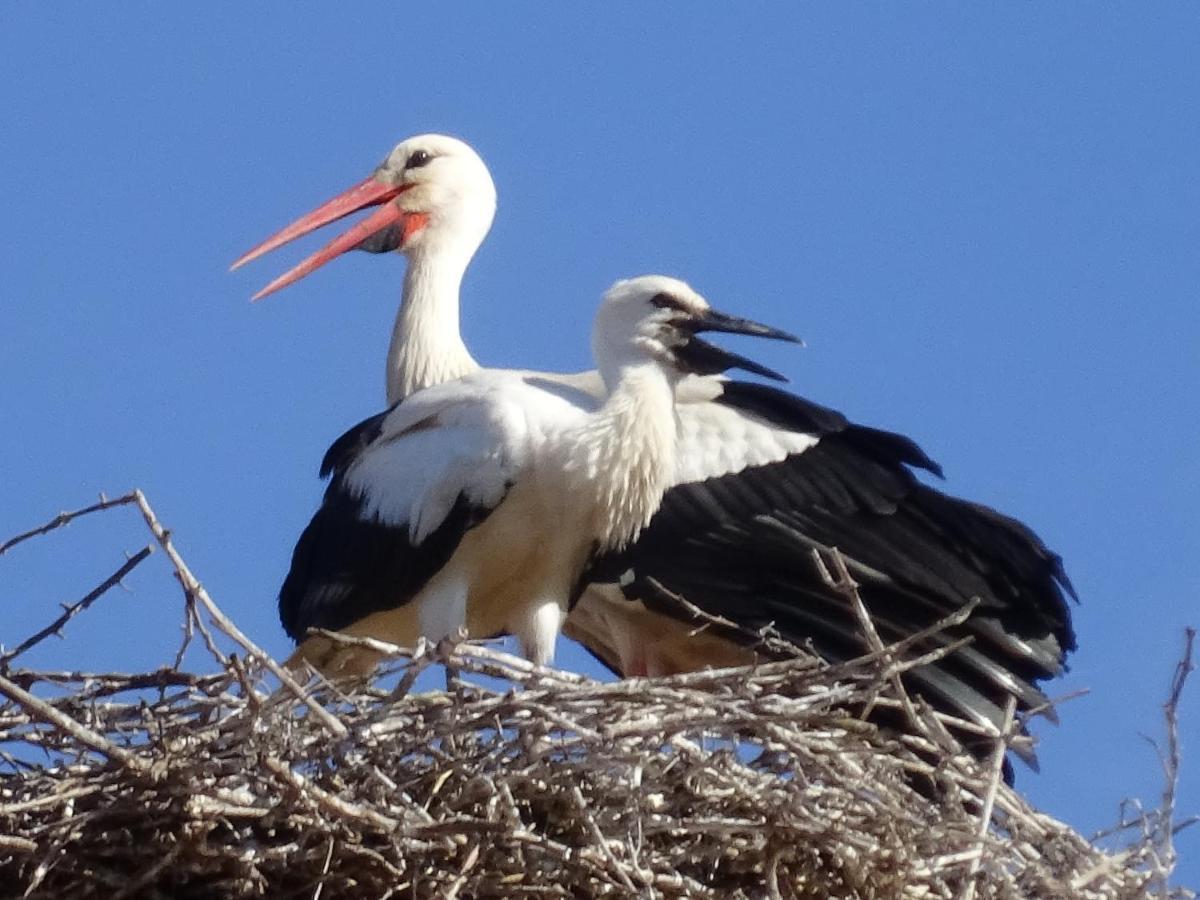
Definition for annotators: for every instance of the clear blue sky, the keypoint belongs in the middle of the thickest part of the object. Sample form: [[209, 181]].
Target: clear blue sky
[[985, 223]]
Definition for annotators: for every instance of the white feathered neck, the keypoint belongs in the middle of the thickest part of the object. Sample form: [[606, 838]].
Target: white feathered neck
[[427, 346], [621, 460]]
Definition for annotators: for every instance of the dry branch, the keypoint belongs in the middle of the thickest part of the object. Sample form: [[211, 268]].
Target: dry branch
[[519, 781], [73, 609], [64, 518]]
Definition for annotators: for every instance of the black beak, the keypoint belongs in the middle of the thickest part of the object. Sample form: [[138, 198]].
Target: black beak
[[702, 358]]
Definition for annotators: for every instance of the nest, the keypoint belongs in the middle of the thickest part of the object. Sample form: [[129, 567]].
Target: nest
[[514, 781]]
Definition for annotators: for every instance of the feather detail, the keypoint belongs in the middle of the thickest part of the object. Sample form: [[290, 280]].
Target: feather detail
[[621, 460]]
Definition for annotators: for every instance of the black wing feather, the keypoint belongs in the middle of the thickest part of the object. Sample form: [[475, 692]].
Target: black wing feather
[[350, 445], [347, 565], [740, 546]]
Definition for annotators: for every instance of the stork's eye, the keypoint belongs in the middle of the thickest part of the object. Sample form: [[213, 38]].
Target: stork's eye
[[667, 301], [418, 158]]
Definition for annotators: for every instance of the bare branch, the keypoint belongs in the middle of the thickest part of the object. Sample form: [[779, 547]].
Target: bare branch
[[64, 518], [996, 765], [1170, 759], [196, 591], [74, 609]]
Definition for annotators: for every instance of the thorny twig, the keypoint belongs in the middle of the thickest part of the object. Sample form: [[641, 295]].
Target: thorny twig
[[64, 518], [69, 612], [44, 712], [768, 637]]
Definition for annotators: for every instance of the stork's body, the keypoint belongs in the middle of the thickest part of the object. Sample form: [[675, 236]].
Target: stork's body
[[478, 502], [437, 213], [763, 478], [430, 512]]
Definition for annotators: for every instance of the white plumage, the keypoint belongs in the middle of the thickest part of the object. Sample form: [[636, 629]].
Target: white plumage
[[761, 479], [437, 214], [464, 438], [546, 478]]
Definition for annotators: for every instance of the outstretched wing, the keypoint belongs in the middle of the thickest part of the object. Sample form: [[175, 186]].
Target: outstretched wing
[[736, 540]]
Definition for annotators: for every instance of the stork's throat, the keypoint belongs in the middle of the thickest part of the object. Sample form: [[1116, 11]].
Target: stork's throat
[[427, 347], [630, 446]]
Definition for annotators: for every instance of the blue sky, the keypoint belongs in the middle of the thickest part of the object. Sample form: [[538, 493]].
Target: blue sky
[[984, 223]]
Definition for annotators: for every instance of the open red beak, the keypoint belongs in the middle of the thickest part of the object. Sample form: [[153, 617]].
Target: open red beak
[[364, 194]]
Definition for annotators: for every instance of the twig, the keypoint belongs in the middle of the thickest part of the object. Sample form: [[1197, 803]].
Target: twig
[[74, 609], [841, 581], [248, 690], [11, 809], [330, 802], [600, 840], [206, 635], [193, 588], [324, 870], [17, 843], [81, 733], [63, 518], [189, 632], [469, 862], [1170, 760], [769, 637], [996, 767]]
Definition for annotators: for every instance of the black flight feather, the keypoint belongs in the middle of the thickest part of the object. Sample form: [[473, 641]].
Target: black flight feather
[[740, 546]]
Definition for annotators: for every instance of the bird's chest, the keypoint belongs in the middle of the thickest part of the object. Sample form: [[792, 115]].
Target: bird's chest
[[529, 549]]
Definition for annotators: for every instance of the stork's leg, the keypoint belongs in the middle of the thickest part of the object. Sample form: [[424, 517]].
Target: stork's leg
[[538, 631], [442, 605]]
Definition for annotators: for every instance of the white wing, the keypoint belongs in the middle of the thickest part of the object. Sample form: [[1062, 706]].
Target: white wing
[[713, 439], [468, 439], [719, 440], [408, 485]]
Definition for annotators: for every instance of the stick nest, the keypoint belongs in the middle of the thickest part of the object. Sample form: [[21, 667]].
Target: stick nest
[[513, 782]]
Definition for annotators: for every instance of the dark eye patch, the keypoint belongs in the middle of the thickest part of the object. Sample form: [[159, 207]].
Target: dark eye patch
[[668, 301], [418, 158]]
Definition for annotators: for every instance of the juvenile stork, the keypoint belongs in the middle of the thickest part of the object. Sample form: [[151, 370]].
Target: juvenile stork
[[763, 479], [479, 502]]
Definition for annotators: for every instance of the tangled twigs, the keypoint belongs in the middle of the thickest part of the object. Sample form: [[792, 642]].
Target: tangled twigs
[[42, 711], [519, 782]]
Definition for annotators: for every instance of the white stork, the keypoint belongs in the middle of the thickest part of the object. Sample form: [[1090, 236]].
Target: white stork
[[763, 478], [479, 502]]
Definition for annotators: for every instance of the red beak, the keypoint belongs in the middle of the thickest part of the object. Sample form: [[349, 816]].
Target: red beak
[[362, 195]]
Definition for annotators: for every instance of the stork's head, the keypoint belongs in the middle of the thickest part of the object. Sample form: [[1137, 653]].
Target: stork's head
[[434, 195], [656, 319]]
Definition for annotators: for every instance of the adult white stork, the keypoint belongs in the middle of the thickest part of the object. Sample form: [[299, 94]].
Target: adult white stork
[[436, 202], [763, 478], [479, 502]]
